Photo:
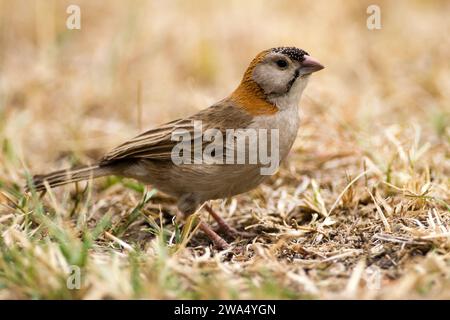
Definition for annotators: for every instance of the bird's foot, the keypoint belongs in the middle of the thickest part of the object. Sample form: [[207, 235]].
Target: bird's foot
[[218, 241], [226, 228]]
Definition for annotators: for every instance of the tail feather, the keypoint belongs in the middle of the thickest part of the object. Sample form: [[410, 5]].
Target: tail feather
[[62, 177]]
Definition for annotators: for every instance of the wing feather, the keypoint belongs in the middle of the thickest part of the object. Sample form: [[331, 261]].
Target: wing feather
[[157, 143]]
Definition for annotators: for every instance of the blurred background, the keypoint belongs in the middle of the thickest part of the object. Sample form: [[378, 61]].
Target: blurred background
[[136, 64], [382, 103]]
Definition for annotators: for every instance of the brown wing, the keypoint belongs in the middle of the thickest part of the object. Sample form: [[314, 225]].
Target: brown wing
[[158, 144]]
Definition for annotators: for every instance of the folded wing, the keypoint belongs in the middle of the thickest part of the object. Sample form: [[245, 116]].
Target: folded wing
[[157, 143]]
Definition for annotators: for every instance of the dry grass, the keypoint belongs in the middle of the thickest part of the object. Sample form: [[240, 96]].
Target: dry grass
[[360, 210]]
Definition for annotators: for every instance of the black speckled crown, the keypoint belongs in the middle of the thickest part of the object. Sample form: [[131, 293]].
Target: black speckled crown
[[292, 52]]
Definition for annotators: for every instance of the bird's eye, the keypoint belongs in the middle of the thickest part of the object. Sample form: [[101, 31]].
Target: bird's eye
[[281, 63]]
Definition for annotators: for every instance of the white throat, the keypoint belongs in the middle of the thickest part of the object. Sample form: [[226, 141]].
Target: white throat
[[292, 98]]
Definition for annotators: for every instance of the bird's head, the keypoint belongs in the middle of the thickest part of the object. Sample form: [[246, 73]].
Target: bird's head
[[278, 76]]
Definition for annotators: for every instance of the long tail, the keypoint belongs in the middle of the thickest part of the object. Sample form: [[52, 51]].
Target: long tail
[[59, 178]]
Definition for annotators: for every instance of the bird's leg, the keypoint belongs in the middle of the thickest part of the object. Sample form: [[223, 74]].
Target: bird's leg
[[215, 238], [229, 230]]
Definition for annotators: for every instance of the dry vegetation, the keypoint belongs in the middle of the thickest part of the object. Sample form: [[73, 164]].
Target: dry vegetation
[[363, 197]]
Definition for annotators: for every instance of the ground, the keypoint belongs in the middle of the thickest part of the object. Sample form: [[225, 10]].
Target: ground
[[360, 209]]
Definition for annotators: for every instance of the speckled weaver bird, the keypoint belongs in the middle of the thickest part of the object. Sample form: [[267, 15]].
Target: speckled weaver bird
[[266, 98]]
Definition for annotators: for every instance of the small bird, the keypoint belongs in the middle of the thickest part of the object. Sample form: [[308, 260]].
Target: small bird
[[266, 99]]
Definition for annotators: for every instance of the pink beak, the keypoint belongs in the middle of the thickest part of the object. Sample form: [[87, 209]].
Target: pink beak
[[310, 65]]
